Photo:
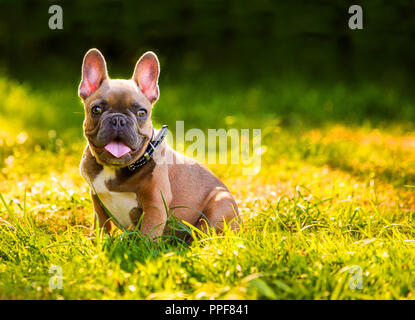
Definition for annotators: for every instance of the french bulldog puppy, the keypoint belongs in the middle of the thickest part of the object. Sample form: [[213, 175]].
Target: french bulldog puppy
[[124, 161]]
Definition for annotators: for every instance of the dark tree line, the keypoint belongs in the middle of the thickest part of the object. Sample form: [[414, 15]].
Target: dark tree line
[[256, 36]]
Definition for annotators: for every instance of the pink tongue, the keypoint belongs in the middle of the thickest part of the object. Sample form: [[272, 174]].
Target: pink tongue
[[117, 149]]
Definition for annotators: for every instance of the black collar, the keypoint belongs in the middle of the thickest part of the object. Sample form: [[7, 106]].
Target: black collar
[[151, 149]]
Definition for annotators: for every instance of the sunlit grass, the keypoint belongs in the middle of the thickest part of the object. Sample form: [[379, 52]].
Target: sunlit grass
[[327, 200]]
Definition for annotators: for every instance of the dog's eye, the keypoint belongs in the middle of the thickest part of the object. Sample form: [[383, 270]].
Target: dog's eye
[[96, 110], [142, 113]]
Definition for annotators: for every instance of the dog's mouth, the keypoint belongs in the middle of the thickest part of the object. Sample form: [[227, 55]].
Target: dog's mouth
[[117, 152], [117, 148]]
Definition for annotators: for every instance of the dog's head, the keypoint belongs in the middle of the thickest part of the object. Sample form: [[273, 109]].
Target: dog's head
[[118, 112]]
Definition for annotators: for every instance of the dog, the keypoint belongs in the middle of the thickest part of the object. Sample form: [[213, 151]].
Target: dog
[[124, 160]]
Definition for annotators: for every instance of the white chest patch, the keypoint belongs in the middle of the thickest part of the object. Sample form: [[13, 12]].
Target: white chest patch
[[119, 204]]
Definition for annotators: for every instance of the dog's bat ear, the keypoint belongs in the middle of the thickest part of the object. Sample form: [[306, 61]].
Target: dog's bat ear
[[94, 71], [146, 74]]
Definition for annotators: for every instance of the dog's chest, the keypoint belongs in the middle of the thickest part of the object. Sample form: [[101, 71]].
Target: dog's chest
[[122, 205]]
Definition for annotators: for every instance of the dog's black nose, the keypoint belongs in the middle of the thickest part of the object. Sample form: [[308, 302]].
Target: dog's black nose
[[118, 121]]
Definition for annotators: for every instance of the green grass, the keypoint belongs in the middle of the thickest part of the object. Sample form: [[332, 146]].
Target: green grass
[[328, 198]]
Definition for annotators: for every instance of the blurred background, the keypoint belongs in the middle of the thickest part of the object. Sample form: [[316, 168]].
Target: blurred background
[[224, 63]]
